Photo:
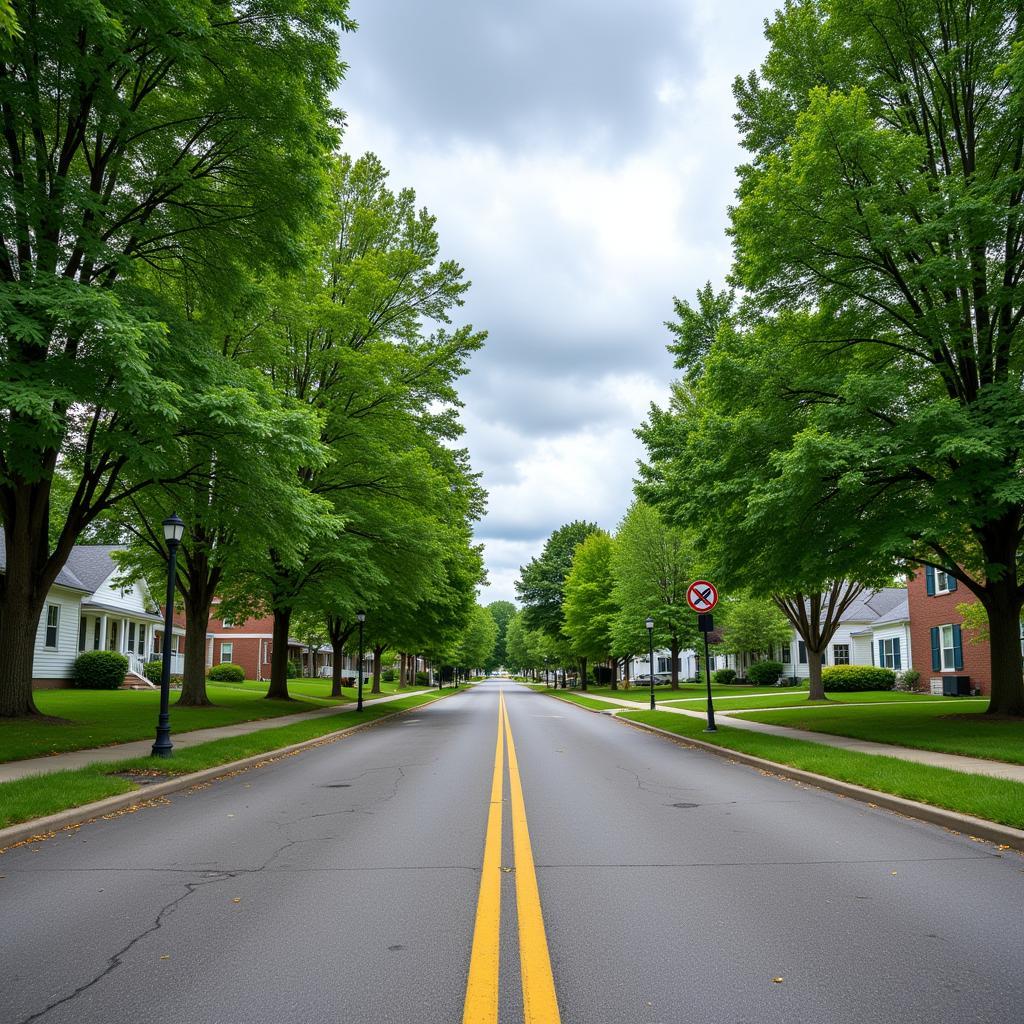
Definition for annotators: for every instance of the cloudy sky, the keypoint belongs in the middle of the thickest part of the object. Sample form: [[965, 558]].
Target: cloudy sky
[[579, 156]]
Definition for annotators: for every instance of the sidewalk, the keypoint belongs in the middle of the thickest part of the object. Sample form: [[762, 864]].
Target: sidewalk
[[72, 759], [935, 758]]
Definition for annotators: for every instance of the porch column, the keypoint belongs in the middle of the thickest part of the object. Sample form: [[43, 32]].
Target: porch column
[[103, 632]]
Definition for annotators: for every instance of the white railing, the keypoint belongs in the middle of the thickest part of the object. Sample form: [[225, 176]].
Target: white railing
[[177, 662]]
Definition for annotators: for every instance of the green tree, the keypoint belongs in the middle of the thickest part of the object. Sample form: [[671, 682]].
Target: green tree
[[653, 563], [751, 625], [478, 638], [877, 235], [589, 608], [501, 612], [169, 137]]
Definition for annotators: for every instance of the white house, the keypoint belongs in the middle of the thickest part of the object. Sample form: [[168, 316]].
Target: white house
[[874, 630], [86, 610]]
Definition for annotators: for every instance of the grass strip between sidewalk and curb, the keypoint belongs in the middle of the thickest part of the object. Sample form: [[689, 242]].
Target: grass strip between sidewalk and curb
[[41, 804], [867, 777]]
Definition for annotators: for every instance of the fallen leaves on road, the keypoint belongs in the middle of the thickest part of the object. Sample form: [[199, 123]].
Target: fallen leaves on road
[[778, 981], [237, 899]]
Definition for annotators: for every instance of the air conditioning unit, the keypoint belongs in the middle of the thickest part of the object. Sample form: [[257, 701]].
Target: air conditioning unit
[[956, 686]]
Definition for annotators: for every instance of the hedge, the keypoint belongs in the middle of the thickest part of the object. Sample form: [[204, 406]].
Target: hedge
[[99, 670], [227, 672], [723, 676], [764, 673], [847, 678]]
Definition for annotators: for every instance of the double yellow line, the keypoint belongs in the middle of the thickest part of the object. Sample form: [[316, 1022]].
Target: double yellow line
[[540, 1005]]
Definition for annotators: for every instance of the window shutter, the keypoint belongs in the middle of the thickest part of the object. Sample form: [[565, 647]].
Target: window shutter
[[929, 580], [881, 654], [958, 648], [936, 650], [897, 661], [950, 583]]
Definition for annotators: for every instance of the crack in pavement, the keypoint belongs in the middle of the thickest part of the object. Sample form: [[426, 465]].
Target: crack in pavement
[[117, 959]]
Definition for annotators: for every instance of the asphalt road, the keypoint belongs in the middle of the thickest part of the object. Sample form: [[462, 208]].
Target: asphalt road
[[341, 885]]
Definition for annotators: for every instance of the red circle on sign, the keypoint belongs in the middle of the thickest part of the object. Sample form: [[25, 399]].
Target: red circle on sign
[[702, 596]]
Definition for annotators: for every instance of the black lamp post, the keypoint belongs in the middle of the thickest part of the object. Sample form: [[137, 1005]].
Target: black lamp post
[[650, 644], [360, 618], [173, 530]]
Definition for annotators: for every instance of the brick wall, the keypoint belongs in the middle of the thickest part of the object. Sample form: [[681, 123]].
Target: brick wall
[[940, 610]]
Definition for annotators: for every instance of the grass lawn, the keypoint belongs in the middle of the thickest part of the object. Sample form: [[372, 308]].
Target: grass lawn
[[798, 698], [317, 689], [41, 795], [99, 718], [955, 726], [978, 795], [687, 691]]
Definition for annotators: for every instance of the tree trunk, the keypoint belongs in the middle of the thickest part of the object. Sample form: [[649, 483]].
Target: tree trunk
[[1003, 606], [18, 624], [613, 664], [675, 662], [817, 687], [583, 673], [279, 656], [197, 619], [378, 653]]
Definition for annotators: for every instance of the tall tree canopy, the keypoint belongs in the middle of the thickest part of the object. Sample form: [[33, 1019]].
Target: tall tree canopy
[[139, 140], [878, 244], [589, 608], [501, 612]]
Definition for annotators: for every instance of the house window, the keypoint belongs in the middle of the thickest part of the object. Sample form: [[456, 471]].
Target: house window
[[938, 581], [142, 639], [787, 656], [801, 651], [96, 635], [131, 636], [226, 623], [81, 633], [889, 655], [664, 665], [947, 648], [52, 625], [226, 651], [840, 654]]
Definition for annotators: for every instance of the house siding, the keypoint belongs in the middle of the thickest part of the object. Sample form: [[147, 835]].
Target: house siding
[[54, 665], [940, 610]]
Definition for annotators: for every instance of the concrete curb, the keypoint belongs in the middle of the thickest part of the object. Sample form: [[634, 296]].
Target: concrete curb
[[39, 829], [975, 828]]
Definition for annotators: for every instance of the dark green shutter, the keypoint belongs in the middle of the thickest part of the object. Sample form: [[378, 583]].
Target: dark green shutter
[[936, 650], [950, 583], [958, 649], [929, 580], [897, 661], [881, 654]]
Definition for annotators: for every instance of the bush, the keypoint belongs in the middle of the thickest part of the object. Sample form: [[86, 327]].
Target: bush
[[389, 675], [226, 672], [723, 676], [848, 678], [294, 670], [422, 678], [908, 680], [764, 673], [99, 670], [788, 681], [153, 671]]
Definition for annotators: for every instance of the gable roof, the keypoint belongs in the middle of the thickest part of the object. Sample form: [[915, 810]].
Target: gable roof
[[873, 605], [86, 569]]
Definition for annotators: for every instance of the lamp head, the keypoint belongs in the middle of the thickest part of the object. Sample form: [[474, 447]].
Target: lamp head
[[174, 529], [360, 617], [649, 623]]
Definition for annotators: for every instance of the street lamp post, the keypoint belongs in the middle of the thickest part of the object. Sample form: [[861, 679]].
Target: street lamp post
[[650, 644], [173, 530], [360, 618]]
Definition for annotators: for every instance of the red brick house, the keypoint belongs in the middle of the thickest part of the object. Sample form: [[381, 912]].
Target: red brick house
[[947, 658]]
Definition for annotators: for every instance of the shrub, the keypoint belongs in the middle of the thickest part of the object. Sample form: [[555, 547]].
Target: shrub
[[723, 676], [908, 680], [422, 678], [788, 681], [153, 671], [847, 678], [226, 672], [389, 675], [99, 670], [294, 670], [764, 673]]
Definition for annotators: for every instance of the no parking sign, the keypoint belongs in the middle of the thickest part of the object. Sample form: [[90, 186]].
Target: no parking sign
[[702, 596]]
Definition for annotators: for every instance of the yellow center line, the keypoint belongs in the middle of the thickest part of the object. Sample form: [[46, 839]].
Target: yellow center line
[[540, 1004], [481, 1006]]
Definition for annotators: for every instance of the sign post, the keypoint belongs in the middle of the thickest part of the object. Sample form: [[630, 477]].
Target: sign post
[[702, 596]]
